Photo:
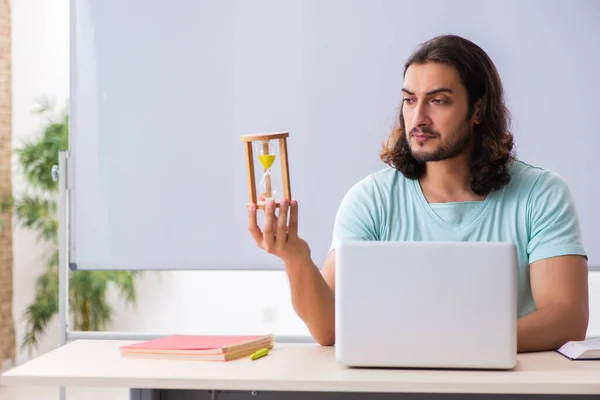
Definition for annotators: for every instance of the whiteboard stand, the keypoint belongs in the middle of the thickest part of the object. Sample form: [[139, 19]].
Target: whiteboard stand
[[63, 254], [65, 172]]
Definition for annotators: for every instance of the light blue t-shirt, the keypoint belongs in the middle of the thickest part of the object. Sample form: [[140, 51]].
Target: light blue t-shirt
[[535, 211]]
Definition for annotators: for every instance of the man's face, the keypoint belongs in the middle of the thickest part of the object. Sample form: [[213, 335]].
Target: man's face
[[435, 112]]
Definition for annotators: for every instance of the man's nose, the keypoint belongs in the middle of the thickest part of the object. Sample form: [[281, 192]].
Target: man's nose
[[420, 116]]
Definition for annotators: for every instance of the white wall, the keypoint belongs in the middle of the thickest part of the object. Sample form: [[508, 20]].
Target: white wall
[[40, 67], [199, 302]]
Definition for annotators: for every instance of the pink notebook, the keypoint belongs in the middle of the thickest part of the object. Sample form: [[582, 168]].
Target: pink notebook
[[186, 344]]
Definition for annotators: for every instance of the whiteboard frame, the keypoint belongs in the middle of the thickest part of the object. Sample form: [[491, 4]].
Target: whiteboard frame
[[272, 264]]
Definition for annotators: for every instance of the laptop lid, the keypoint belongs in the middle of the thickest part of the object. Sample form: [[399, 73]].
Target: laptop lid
[[426, 304]]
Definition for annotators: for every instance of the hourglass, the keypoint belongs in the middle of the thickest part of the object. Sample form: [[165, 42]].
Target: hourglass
[[268, 147]]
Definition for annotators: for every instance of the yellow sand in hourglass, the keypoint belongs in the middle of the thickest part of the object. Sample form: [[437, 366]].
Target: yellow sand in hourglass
[[267, 159]]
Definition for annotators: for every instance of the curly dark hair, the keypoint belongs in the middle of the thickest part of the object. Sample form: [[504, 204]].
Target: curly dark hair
[[493, 143]]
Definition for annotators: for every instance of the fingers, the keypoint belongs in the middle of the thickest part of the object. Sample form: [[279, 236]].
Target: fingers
[[268, 238], [253, 225], [293, 226], [276, 230], [281, 233]]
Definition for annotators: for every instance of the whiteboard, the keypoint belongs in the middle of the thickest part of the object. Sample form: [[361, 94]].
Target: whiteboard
[[160, 95]]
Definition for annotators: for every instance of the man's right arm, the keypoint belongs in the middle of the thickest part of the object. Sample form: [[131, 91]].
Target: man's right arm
[[312, 290], [313, 298]]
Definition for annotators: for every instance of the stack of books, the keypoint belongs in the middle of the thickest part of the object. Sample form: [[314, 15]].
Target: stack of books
[[208, 348]]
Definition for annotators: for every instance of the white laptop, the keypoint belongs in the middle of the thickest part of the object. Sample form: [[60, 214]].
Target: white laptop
[[426, 304]]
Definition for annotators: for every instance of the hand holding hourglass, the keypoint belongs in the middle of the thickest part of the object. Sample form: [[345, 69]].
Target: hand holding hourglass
[[277, 236]]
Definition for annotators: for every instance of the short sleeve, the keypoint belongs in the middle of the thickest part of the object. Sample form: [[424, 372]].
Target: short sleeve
[[553, 220], [357, 217]]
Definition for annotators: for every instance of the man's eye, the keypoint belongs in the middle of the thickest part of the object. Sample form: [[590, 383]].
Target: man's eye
[[439, 101], [408, 100]]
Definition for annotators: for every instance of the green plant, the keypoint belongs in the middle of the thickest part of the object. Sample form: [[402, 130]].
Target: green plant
[[37, 209]]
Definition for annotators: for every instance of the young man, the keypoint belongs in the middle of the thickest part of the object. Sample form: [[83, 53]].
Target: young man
[[452, 176]]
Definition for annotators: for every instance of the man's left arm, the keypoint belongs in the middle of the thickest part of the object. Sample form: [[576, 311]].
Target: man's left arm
[[558, 270], [560, 290]]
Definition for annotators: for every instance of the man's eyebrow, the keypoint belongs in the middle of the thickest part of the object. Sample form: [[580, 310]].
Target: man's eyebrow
[[435, 91], [440, 90]]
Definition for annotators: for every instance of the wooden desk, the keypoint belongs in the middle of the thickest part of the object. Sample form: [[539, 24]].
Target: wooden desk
[[298, 371]]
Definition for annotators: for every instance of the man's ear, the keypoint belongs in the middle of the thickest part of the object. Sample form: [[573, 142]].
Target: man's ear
[[477, 111]]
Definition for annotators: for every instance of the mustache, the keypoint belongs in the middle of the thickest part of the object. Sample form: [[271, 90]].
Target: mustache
[[425, 130]]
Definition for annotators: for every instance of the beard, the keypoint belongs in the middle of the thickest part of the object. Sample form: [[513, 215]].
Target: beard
[[455, 144]]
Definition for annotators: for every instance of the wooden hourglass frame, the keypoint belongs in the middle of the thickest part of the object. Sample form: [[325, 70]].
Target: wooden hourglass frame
[[266, 139]]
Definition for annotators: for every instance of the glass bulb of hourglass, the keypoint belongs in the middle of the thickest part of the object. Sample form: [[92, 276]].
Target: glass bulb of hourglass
[[268, 188]]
